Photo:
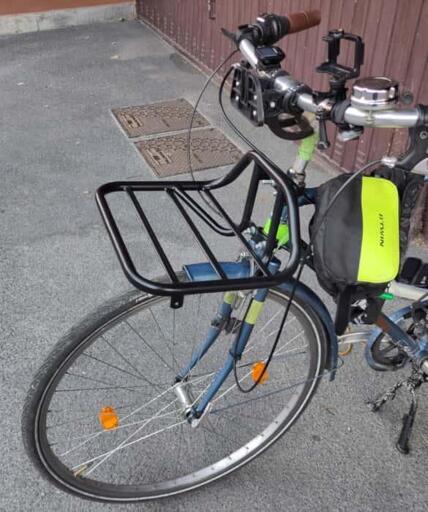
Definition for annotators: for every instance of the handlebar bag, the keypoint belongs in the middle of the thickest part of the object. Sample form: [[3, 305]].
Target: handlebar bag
[[356, 241]]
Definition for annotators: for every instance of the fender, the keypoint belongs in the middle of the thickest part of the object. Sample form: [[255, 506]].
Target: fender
[[304, 293], [205, 272]]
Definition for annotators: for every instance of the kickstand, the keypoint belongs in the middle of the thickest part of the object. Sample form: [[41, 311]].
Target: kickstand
[[389, 394], [406, 430], [411, 384]]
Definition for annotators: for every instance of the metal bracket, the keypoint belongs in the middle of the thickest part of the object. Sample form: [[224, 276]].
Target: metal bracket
[[177, 301], [212, 14]]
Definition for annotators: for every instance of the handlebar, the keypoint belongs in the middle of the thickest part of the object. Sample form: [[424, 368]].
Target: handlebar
[[393, 118], [306, 101]]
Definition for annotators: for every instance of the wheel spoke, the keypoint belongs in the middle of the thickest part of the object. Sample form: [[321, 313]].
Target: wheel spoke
[[148, 344], [75, 390], [99, 381], [168, 340], [110, 365], [127, 361]]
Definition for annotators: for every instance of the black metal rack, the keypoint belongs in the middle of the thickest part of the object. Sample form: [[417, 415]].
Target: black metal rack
[[180, 195]]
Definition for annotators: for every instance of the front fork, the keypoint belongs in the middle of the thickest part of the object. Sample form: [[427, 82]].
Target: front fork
[[194, 411], [239, 344]]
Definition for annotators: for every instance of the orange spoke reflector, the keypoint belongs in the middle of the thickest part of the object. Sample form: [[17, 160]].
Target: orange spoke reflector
[[108, 418], [257, 370]]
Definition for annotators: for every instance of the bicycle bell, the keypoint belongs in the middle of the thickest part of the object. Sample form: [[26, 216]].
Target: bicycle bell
[[374, 93]]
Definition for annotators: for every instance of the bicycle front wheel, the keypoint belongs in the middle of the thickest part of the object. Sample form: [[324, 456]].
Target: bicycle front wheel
[[102, 420]]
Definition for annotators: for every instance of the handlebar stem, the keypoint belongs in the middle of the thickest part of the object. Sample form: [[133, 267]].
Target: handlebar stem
[[248, 51]]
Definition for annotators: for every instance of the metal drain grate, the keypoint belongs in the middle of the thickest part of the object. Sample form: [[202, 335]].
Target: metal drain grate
[[167, 155], [165, 116]]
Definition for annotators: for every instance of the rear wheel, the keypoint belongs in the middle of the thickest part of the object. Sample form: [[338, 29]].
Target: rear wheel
[[101, 419]]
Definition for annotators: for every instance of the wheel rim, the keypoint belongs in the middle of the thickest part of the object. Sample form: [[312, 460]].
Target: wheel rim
[[222, 465]]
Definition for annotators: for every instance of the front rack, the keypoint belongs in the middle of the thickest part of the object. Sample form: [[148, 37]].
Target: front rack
[[180, 194]]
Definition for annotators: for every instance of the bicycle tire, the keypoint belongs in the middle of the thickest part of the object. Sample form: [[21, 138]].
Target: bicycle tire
[[78, 335]]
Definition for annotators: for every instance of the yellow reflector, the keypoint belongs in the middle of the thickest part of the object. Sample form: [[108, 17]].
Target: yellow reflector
[[108, 418], [257, 370]]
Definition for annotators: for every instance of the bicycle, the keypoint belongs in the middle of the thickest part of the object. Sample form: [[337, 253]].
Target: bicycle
[[159, 381]]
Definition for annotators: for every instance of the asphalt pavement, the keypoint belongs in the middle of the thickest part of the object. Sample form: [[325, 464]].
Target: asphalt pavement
[[58, 143]]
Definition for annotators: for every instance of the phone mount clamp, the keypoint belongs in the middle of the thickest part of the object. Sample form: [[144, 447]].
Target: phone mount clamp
[[339, 74]]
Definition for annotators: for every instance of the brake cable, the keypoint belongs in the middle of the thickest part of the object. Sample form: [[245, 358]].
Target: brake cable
[[339, 191], [278, 335], [227, 118], [192, 118], [276, 391]]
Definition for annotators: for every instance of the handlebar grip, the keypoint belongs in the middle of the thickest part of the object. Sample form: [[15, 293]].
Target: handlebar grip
[[299, 21], [270, 28]]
